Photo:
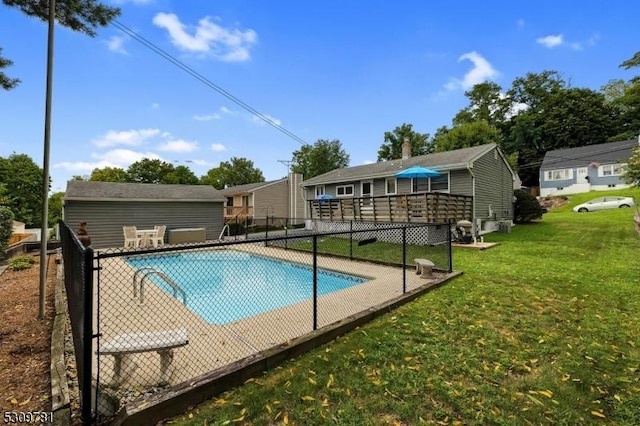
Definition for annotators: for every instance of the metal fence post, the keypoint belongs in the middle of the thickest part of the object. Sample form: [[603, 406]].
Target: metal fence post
[[404, 260], [450, 223], [315, 282], [350, 240], [87, 336]]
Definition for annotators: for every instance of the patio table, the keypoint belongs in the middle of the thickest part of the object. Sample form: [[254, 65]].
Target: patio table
[[145, 236]]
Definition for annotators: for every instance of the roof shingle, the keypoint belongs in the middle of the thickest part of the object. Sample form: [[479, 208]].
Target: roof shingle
[[84, 190]]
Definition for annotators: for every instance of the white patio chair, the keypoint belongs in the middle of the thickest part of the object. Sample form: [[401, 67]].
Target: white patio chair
[[131, 238], [158, 238]]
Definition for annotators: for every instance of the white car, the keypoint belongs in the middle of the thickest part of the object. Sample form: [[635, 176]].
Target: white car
[[605, 203]]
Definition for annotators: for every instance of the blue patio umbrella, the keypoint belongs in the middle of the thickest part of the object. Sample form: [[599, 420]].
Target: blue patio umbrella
[[324, 197], [417, 172]]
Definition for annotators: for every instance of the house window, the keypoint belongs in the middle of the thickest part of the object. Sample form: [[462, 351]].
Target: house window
[[560, 174], [319, 190], [440, 183], [390, 186], [344, 191], [245, 200], [611, 170], [229, 201], [419, 185]]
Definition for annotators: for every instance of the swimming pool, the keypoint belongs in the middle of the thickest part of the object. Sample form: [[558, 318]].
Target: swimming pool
[[226, 286]]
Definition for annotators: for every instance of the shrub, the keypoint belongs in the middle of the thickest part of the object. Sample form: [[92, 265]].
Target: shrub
[[527, 207], [6, 229], [19, 263]]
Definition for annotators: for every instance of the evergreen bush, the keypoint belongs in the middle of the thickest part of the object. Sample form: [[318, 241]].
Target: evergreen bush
[[527, 208], [6, 229]]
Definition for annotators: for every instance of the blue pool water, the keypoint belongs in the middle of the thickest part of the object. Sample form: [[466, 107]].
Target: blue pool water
[[226, 286]]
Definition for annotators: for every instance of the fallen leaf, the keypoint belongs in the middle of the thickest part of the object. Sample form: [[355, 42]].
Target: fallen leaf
[[598, 414]]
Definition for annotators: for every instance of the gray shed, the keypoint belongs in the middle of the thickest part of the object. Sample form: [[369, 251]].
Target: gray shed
[[108, 206]]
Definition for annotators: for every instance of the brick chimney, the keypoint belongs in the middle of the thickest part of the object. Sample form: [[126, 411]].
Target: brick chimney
[[406, 149]]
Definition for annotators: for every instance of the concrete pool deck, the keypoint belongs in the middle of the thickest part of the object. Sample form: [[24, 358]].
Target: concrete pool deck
[[213, 346]]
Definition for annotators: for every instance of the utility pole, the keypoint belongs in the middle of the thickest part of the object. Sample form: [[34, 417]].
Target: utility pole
[[44, 230], [288, 164]]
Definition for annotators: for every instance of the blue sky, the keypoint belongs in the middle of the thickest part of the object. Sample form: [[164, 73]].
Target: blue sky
[[320, 69]]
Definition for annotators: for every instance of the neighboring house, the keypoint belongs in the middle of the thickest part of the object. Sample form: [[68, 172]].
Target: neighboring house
[[108, 206], [585, 168], [281, 198], [481, 172]]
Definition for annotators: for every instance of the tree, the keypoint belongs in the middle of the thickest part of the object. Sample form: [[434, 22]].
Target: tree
[[632, 170], [182, 175], [576, 117], [487, 103], [391, 148], [632, 62], [6, 82], [627, 103], [149, 171], [532, 89], [238, 171], [319, 158], [55, 208], [83, 16], [6, 229], [466, 135], [109, 174], [23, 184]]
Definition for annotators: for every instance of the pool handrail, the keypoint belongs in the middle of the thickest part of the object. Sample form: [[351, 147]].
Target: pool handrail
[[147, 271]]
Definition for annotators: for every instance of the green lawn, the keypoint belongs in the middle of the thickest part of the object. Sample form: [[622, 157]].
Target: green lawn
[[544, 328]]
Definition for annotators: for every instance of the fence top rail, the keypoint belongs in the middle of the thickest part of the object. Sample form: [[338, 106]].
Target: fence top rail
[[120, 252]]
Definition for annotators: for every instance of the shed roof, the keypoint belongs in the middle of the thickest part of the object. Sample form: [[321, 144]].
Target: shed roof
[[604, 153], [441, 161], [114, 191]]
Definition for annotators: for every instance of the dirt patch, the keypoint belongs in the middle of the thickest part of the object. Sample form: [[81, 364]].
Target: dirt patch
[[25, 340]]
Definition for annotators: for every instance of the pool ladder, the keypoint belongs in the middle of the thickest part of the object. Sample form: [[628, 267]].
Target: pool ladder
[[147, 272]]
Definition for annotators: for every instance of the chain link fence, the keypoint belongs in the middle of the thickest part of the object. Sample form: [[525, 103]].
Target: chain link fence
[[171, 314]]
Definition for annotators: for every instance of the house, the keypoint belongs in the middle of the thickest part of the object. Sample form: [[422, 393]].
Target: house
[[282, 198], [585, 168], [108, 206], [480, 173]]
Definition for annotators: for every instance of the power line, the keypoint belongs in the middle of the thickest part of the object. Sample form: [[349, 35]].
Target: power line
[[205, 80]]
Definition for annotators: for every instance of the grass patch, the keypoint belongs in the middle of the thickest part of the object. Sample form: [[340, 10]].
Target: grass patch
[[378, 251], [540, 329]]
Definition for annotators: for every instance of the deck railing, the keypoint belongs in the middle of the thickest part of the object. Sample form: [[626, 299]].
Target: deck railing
[[425, 207], [239, 212]]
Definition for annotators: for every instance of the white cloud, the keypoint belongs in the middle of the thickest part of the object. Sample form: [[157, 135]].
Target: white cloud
[[260, 122], [482, 71], [520, 23], [155, 105], [368, 162], [218, 147], [207, 117], [225, 44], [126, 137], [122, 158], [179, 145], [551, 41], [227, 111], [116, 44]]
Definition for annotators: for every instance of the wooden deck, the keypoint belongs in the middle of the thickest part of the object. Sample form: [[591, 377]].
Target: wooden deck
[[426, 207]]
